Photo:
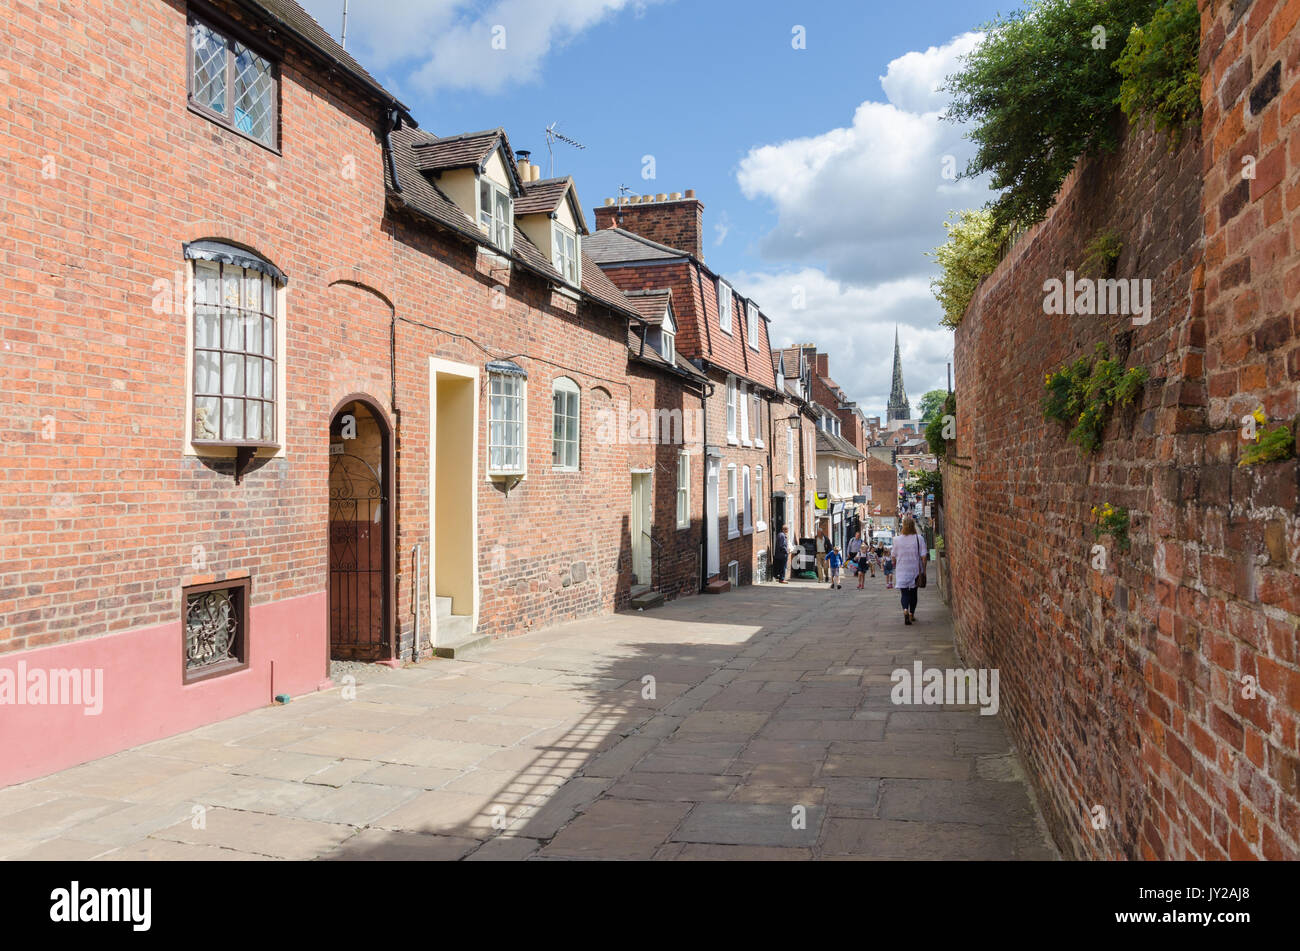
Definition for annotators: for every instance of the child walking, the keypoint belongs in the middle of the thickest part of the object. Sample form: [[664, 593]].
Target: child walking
[[864, 562], [888, 567], [835, 561]]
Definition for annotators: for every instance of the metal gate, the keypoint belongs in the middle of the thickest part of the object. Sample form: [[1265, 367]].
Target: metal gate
[[358, 553]]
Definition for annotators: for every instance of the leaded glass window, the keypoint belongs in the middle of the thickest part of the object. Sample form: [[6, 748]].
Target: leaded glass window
[[235, 315], [232, 83]]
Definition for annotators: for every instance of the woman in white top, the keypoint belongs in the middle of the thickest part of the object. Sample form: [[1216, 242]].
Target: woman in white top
[[910, 557]]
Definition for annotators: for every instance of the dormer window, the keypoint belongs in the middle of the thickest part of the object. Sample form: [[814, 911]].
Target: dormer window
[[564, 253], [668, 350], [496, 213], [751, 330], [724, 307]]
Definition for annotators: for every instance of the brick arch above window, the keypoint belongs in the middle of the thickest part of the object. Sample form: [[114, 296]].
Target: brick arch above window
[[239, 234]]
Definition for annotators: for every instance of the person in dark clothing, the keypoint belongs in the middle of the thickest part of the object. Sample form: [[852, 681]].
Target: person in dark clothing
[[782, 554]]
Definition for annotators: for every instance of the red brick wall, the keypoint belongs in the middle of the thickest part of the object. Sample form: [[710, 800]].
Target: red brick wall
[[678, 224], [104, 517], [1124, 685]]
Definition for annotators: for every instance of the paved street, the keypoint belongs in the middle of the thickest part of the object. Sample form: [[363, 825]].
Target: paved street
[[767, 732]]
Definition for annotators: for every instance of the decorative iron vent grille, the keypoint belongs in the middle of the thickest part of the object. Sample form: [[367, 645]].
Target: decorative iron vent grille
[[216, 628]]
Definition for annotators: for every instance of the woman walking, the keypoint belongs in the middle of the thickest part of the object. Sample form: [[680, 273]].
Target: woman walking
[[911, 555]]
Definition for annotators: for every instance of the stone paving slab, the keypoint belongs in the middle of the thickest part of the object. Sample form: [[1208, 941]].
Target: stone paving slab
[[771, 736]]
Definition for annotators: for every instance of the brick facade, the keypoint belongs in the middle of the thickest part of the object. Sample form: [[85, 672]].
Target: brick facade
[[1165, 687]]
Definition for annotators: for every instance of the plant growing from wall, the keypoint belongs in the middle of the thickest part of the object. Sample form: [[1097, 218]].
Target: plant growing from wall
[[1270, 445], [940, 423], [1160, 70], [1039, 93], [969, 255], [1083, 394], [1101, 254], [1108, 520]]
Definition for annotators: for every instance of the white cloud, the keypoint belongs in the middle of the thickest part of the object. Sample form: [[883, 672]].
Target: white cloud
[[870, 198], [912, 81], [448, 44], [855, 324], [856, 209]]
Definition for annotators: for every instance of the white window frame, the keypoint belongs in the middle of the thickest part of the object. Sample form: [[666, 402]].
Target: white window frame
[[669, 351], [733, 529], [725, 305], [751, 329], [683, 490], [569, 266], [499, 232], [760, 523], [748, 501], [522, 446], [731, 410], [790, 448], [564, 385], [742, 409], [758, 420]]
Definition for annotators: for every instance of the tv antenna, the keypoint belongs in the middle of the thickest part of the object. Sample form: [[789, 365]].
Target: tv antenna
[[552, 134]]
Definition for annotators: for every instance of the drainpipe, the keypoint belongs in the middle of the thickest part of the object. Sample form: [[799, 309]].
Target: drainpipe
[[392, 124], [706, 393]]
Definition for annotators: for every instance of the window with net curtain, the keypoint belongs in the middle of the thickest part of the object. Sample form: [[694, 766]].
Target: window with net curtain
[[564, 441], [235, 333], [505, 422]]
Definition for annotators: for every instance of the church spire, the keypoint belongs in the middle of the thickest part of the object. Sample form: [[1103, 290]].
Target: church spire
[[899, 408]]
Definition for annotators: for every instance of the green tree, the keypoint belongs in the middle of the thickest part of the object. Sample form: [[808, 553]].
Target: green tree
[[1040, 92], [968, 256], [932, 403]]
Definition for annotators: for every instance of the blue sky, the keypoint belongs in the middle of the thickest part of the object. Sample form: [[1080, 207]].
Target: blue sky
[[822, 184]]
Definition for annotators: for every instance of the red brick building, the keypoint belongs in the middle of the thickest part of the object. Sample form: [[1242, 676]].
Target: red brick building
[[286, 377], [657, 245]]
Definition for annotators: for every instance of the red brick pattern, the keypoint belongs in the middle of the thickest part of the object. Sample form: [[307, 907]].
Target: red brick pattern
[[1164, 687]]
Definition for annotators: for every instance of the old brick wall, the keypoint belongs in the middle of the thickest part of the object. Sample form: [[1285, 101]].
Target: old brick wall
[[1123, 684]]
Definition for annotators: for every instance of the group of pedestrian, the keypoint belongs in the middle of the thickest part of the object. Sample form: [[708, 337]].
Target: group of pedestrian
[[903, 564]]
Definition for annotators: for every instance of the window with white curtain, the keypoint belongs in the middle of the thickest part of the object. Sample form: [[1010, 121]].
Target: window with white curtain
[[749, 515], [792, 436], [731, 409], [744, 414], [732, 528], [724, 307], [758, 498], [235, 334], [505, 423], [683, 490], [564, 439]]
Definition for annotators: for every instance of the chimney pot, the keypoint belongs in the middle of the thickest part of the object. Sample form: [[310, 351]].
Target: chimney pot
[[690, 193], [608, 202], [661, 197], [676, 196]]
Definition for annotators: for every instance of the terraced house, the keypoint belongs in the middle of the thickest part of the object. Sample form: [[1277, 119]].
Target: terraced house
[[287, 377], [655, 244]]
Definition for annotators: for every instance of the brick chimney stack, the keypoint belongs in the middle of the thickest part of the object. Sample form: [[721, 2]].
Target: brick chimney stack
[[675, 220]]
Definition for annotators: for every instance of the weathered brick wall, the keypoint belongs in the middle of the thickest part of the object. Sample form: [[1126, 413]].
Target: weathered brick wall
[[678, 224], [1124, 686]]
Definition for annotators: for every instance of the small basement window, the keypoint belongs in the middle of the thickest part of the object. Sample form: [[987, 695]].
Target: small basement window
[[215, 627]]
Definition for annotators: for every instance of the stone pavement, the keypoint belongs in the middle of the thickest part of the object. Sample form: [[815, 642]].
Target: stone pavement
[[752, 725]]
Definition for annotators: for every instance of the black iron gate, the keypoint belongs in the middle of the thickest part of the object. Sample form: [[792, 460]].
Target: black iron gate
[[358, 553]]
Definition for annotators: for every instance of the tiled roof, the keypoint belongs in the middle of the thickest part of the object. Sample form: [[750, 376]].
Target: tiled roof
[[455, 151], [541, 196], [424, 197], [302, 24], [829, 442], [651, 304], [615, 246], [649, 354]]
